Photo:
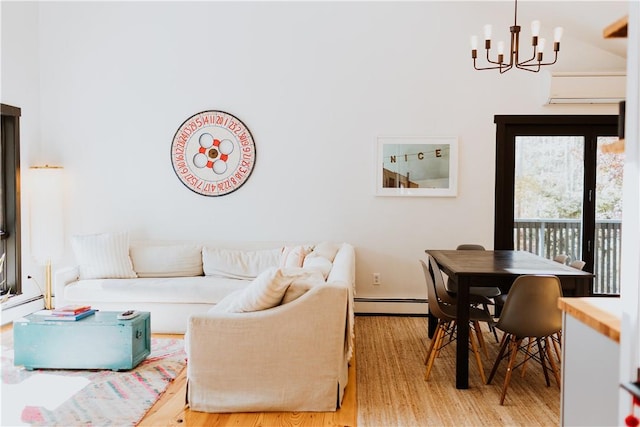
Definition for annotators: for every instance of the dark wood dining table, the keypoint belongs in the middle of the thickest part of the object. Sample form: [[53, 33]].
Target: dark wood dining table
[[497, 268]]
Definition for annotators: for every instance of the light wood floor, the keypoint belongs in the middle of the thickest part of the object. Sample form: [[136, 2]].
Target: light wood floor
[[387, 388], [392, 391], [388, 381]]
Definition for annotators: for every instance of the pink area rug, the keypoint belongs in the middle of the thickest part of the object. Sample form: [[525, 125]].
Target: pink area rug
[[87, 398]]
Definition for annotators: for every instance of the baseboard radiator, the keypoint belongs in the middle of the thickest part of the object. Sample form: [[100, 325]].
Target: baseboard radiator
[[391, 306]]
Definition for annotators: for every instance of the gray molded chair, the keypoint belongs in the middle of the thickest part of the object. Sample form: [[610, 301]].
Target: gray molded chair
[[579, 264], [531, 311], [446, 315], [448, 298], [562, 258], [479, 295], [481, 291]]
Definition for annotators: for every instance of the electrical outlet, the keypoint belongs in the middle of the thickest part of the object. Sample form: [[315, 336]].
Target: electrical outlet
[[376, 278]]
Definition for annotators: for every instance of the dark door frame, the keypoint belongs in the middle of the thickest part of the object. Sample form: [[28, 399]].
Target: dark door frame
[[507, 128], [10, 229]]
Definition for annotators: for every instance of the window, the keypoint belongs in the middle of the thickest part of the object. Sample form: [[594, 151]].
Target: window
[[10, 200], [558, 193]]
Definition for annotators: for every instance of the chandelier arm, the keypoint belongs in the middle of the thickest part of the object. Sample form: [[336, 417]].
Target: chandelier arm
[[485, 68], [555, 59], [501, 64], [534, 68], [506, 68], [524, 65], [489, 60], [533, 58]]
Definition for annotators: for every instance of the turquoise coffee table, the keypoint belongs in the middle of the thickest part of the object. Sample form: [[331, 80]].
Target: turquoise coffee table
[[100, 341]]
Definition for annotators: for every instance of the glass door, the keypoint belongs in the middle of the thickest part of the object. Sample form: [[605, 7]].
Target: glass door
[[548, 195], [608, 221], [558, 192]]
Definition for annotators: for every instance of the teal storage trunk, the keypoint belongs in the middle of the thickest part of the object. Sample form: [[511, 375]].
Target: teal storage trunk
[[100, 341]]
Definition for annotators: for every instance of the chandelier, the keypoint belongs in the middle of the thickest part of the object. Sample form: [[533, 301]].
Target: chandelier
[[532, 64]]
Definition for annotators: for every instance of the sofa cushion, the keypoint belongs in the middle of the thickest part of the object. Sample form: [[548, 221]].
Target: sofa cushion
[[318, 263], [154, 290], [326, 250], [302, 285], [103, 256], [167, 260], [293, 256], [264, 292], [238, 264]]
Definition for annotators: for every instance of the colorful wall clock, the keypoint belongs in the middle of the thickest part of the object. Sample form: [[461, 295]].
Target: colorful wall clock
[[213, 153]]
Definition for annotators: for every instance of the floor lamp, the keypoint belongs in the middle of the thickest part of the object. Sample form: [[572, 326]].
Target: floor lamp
[[47, 234]]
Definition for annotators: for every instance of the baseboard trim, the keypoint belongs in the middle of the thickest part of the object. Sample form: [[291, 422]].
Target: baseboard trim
[[391, 306]]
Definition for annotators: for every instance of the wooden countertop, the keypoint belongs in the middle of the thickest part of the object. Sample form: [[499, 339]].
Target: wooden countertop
[[600, 313]]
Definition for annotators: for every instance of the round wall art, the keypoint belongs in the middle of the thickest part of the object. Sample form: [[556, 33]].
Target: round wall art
[[213, 153]]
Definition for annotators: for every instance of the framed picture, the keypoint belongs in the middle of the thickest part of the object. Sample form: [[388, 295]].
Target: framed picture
[[417, 166]]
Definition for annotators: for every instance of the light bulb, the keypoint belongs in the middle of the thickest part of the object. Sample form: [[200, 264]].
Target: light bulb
[[541, 43], [487, 32], [474, 42], [535, 28], [500, 48], [557, 34]]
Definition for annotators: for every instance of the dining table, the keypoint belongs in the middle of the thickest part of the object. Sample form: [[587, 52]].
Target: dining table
[[499, 268]]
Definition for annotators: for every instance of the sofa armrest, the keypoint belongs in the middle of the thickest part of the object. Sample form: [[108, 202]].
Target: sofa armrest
[[62, 278], [287, 358], [344, 266], [343, 272]]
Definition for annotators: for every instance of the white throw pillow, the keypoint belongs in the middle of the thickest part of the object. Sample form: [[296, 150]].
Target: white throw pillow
[[238, 264], [103, 256], [302, 284], [264, 292], [325, 250], [293, 256], [318, 263], [167, 260]]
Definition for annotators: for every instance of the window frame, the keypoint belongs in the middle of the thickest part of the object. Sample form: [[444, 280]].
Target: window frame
[[11, 211]]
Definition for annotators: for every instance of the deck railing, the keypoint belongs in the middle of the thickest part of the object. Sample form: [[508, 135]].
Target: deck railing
[[551, 237]]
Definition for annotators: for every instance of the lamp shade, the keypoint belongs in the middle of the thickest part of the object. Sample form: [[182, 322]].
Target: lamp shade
[[46, 219]]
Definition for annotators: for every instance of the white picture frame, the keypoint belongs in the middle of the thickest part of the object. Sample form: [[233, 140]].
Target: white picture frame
[[418, 166]]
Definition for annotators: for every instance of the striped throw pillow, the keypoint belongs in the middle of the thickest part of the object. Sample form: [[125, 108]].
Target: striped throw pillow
[[103, 256]]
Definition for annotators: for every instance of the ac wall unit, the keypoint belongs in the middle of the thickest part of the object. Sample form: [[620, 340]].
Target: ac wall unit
[[585, 87]]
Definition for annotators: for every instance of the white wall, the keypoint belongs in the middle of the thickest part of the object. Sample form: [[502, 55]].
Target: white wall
[[316, 83]]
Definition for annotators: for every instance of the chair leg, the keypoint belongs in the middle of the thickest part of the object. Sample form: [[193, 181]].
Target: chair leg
[[503, 346], [527, 356], [554, 367], [432, 346], [495, 333], [440, 331], [481, 343], [514, 344], [557, 344], [474, 346], [430, 349], [544, 365]]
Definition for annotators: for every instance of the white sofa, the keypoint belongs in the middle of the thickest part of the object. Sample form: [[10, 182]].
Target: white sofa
[[269, 326], [174, 280]]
